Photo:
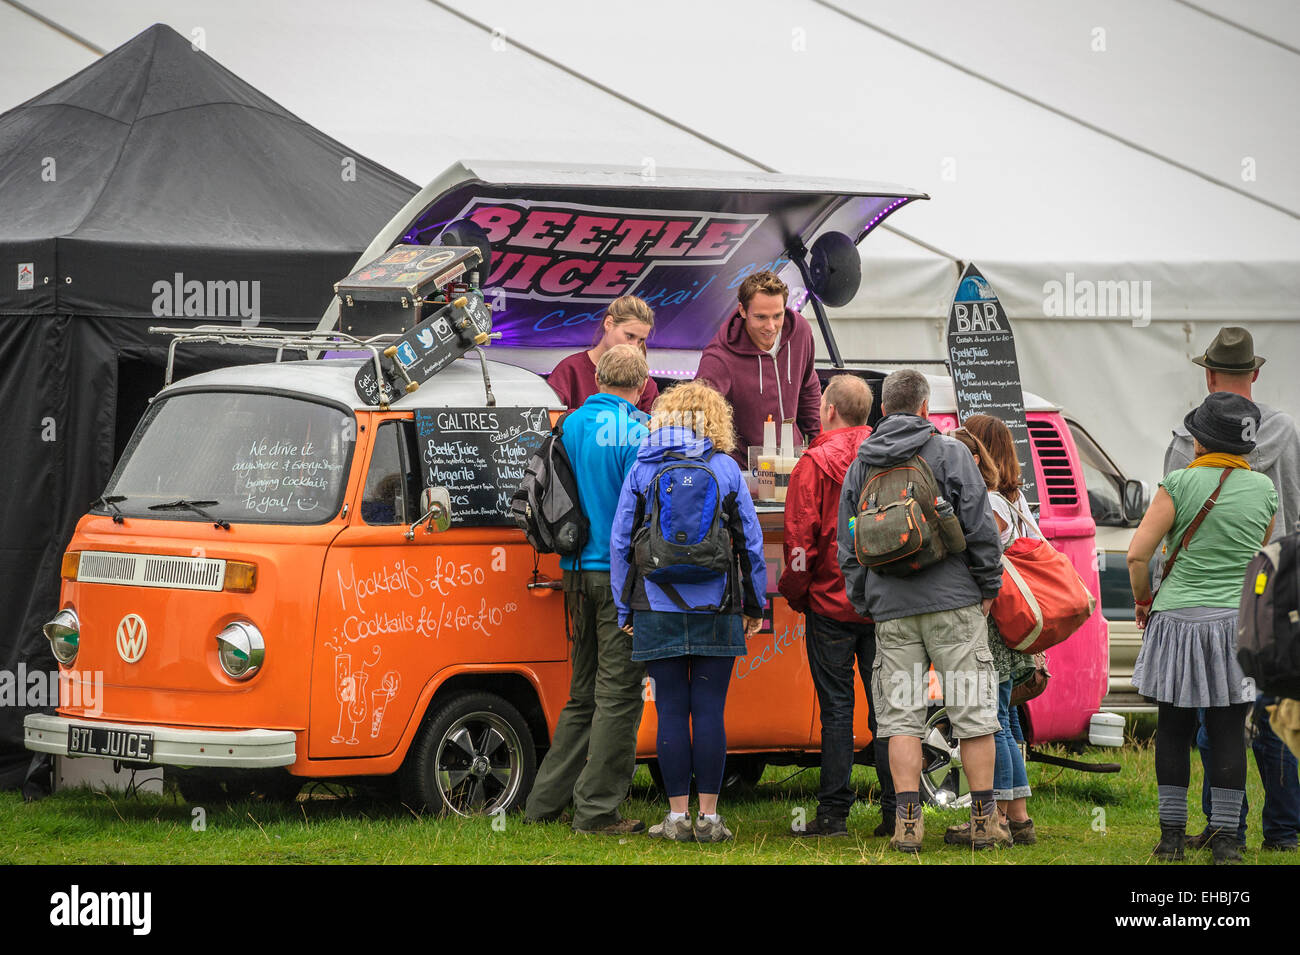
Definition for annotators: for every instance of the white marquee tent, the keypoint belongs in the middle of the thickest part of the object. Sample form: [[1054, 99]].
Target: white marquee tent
[[1098, 146]]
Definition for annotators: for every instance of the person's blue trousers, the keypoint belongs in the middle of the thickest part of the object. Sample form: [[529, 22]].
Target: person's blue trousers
[[1278, 771]]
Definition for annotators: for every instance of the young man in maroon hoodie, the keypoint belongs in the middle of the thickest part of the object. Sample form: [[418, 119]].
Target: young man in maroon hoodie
[[814, 585], [761, 360]]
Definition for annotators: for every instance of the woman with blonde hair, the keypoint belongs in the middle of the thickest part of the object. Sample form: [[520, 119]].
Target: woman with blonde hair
[[628, 321], [686, 567]]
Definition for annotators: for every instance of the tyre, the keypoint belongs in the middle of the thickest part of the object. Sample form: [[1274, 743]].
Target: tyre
[[943, 780], [473, 756]]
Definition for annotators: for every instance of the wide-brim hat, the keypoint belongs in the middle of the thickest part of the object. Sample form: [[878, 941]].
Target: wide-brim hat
[[1233, 350], [1225, 422]]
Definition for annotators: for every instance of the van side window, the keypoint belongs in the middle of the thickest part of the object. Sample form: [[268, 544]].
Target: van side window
[[392, 483]]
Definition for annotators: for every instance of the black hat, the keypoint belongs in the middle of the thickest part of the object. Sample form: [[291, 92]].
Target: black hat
[[1232, 350], [1225, 422]]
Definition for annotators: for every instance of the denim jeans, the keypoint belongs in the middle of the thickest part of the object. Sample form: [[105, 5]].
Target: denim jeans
[[1009, 778], [832, 648], [1277, 771]]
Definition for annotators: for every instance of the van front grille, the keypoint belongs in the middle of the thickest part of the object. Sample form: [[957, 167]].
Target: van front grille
[[152, 570], [1055, 461]]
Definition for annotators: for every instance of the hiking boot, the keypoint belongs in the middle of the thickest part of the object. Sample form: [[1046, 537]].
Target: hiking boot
[[986, 830], [1022, 833], [908, 833], [1173, 839], [706, 831], [1201, 840], [1278, 846], [624, 827], [829, 826], [679, 831], [885, 828], [1226, 849]]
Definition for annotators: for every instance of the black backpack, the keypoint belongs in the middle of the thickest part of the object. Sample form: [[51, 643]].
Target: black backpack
[[1268, 620], [546, 506]]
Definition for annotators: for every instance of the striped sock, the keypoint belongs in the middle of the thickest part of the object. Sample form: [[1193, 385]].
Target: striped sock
[[1173, 806], [1225, 809]]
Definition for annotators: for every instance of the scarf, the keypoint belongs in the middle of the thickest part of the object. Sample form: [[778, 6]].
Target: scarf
[[1220, 459]]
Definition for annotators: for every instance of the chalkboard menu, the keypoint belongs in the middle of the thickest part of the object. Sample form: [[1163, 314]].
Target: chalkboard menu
[[479, 456], [985, 373]]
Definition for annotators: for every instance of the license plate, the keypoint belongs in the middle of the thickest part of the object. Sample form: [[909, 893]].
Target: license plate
[[127, 745]]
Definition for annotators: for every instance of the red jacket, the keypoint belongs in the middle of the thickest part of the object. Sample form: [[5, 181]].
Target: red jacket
[[812, 579]]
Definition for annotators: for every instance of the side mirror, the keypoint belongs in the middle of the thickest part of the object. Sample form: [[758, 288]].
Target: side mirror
[[1137, 497], [435, 509]]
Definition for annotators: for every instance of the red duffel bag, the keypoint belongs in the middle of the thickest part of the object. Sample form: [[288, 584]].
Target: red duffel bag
[[1043, 599]]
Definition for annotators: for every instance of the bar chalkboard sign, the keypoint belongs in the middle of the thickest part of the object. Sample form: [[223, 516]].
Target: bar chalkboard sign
[[479, 456], [985, 372]]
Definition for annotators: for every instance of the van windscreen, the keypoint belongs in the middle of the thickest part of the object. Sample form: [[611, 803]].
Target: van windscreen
[[241, 457]]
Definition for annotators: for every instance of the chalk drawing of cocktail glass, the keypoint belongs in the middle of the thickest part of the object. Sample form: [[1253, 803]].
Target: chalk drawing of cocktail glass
[[357, 705], [344, 689], [379, 700]]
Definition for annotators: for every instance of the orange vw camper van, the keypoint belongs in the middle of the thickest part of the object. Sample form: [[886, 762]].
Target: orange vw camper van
[[284, 582]]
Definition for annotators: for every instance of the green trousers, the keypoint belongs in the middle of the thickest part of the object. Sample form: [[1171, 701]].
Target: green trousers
[[593, 753]]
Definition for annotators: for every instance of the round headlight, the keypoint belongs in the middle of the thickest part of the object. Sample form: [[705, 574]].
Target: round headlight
[[64, 634], [240, 649]]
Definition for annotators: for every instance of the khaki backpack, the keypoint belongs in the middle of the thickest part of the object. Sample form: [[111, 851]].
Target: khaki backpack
[[903, 524]]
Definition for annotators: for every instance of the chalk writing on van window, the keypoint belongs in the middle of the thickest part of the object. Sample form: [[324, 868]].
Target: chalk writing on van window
[[479, 456], [275, 476]]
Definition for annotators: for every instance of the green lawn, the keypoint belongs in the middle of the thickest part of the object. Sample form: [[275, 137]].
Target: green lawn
[[1081, 818]]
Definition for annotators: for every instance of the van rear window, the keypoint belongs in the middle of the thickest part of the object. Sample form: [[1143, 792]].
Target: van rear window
[[246, 458]]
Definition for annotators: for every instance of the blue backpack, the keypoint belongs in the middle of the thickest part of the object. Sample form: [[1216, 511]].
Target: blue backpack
[[683, 534]]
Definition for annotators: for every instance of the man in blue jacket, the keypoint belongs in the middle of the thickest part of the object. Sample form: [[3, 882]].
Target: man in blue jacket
[[593, 753], [935, 615]]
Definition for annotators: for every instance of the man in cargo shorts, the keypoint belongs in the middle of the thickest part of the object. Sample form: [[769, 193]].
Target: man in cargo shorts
[[593, 754], [934, 615]]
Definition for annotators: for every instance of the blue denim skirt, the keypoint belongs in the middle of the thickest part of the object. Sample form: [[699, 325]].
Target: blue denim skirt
[[657, 634]]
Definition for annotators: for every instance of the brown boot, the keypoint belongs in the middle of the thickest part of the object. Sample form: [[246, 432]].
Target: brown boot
[[1023, 832], [987, 829], [909, 833]]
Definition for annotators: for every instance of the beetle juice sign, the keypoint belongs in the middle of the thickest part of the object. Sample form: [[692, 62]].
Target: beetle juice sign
[[557, 263]]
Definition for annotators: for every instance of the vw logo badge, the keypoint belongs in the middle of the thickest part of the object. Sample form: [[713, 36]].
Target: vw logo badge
[[132, 635]]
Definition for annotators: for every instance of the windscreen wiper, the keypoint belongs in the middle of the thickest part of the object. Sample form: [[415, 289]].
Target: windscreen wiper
[[111, 503], [196, 507]]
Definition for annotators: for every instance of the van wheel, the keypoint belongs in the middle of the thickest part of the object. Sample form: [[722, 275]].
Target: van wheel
[[473, 756], [943, 780]]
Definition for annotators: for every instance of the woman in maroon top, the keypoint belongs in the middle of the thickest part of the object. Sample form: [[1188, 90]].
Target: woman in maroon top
[[628, 321]]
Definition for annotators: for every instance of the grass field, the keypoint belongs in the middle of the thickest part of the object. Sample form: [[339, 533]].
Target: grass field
[[1080, 818]]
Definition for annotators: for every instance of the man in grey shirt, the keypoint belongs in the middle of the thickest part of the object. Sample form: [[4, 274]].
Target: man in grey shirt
[[1231, 364]]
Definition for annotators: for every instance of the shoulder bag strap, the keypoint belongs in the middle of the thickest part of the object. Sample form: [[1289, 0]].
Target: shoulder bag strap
[[1196, 522]]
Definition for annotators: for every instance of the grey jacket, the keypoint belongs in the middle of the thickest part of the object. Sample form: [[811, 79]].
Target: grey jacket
[[959, 580], [1276, 455]]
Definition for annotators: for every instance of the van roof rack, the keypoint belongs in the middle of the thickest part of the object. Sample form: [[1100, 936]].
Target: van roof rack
[[312, 342], [308, 341]]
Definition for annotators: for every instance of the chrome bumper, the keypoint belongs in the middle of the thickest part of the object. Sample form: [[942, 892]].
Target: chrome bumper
[[236, 749]]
